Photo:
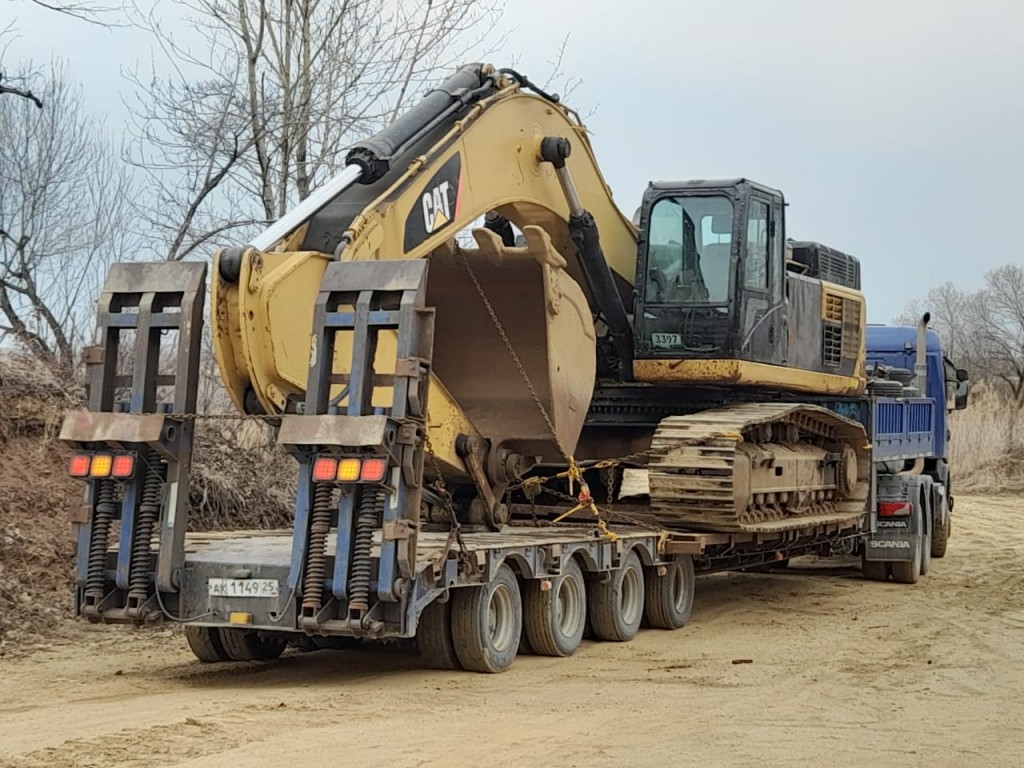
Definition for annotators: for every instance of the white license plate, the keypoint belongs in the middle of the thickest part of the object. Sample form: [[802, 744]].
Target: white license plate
[[243, 587], [666, 340]]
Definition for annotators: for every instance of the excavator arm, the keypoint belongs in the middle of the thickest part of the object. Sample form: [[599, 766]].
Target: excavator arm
[[475, 147]]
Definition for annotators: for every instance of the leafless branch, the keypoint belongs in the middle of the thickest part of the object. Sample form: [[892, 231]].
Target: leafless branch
[[64, 216], [261, 111]]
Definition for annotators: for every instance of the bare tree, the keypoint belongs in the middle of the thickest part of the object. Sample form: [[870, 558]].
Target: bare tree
[[83, 10], [64, 216], [997, 317], [251, 124], [983, 329], [948, 307]]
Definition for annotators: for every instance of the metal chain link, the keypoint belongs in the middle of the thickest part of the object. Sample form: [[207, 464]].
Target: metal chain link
[[574, 473], [455, 529], [511, 350]]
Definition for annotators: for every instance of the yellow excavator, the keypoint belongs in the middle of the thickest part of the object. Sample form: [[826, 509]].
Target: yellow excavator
[[697, 334], [471, 351]]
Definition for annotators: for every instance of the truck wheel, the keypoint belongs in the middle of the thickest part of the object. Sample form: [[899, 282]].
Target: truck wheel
[[940, 536], [248, 645], [926, 553], [487, 622], [904, 572], [874, 570], [205, 643], [669, 598], [434, 636], [617, 605], [555, 618]]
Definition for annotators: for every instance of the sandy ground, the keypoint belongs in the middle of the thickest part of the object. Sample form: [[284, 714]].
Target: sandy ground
[[844, 672]]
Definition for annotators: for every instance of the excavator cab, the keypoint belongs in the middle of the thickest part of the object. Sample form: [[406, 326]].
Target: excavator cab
[[710, 272], [718, 290]]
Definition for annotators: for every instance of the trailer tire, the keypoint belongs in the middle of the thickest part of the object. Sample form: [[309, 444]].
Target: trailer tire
[[669, 598], [487, 622], [555, 618], [204, 642], [434, 636], [248, 645], [616, 606]]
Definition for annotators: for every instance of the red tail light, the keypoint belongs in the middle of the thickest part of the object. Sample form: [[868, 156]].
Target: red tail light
[[324, 469], [124, 466], [373, 470], [893, 508], [79, 465]]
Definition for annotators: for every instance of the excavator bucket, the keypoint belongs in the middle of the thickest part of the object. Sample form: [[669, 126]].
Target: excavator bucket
[[494, 297]]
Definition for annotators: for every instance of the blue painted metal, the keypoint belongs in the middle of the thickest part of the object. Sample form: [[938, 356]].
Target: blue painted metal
[[343, 548], [896, 346], [82, 553], [300, 527], [388, 551], [902, 428], [384, 317], [124, 548]]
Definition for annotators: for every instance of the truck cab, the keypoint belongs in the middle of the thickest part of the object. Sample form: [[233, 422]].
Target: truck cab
[[896, 347], [911, 396]]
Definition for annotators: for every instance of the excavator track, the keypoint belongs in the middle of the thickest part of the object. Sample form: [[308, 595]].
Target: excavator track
[[763, 467]]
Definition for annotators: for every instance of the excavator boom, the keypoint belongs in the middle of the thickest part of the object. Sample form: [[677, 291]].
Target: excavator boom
[[473, 148]]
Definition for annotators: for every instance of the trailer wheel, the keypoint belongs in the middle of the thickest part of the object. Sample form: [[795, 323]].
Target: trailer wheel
[[204, 642], [669, 598], [555, 618], [617, 605], [487, 622], [248, 645], [434, 636]]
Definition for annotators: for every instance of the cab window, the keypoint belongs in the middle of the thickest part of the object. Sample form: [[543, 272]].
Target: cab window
[[688, 257]]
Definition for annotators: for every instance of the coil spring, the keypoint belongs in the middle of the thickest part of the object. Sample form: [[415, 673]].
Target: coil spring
[[145, 521], [316, 556], [95, 578], [371, 509]]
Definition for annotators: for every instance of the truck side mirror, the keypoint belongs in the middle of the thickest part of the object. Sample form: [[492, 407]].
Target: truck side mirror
[[961, 374], [962, 391]]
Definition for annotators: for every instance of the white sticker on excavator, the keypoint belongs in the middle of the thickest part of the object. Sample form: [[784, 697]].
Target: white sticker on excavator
[[666, 340], [436, 211]]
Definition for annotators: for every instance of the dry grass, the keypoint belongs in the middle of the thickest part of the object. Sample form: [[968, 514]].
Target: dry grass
[[987, 447], [240, 479]]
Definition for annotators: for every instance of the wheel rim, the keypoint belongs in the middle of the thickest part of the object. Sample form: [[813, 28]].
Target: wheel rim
[[678, 589], [568, 605], [631, 597], [500, 624]]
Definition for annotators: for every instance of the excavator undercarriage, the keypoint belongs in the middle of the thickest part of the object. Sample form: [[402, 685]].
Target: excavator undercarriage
[[760, 467]]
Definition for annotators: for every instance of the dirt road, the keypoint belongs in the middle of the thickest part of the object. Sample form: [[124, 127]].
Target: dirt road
[[843, 672]]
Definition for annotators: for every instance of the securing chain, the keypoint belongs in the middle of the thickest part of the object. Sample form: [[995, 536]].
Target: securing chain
[[584, 500], [455, 529]]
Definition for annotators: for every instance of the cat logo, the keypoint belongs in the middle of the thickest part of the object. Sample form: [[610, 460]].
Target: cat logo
[[438, 204], [436, 211]]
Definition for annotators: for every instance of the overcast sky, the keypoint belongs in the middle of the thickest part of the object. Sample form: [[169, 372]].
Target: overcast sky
[[893, 128]]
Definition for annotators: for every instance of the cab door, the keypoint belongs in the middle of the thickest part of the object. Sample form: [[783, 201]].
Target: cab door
[[762, 328]]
